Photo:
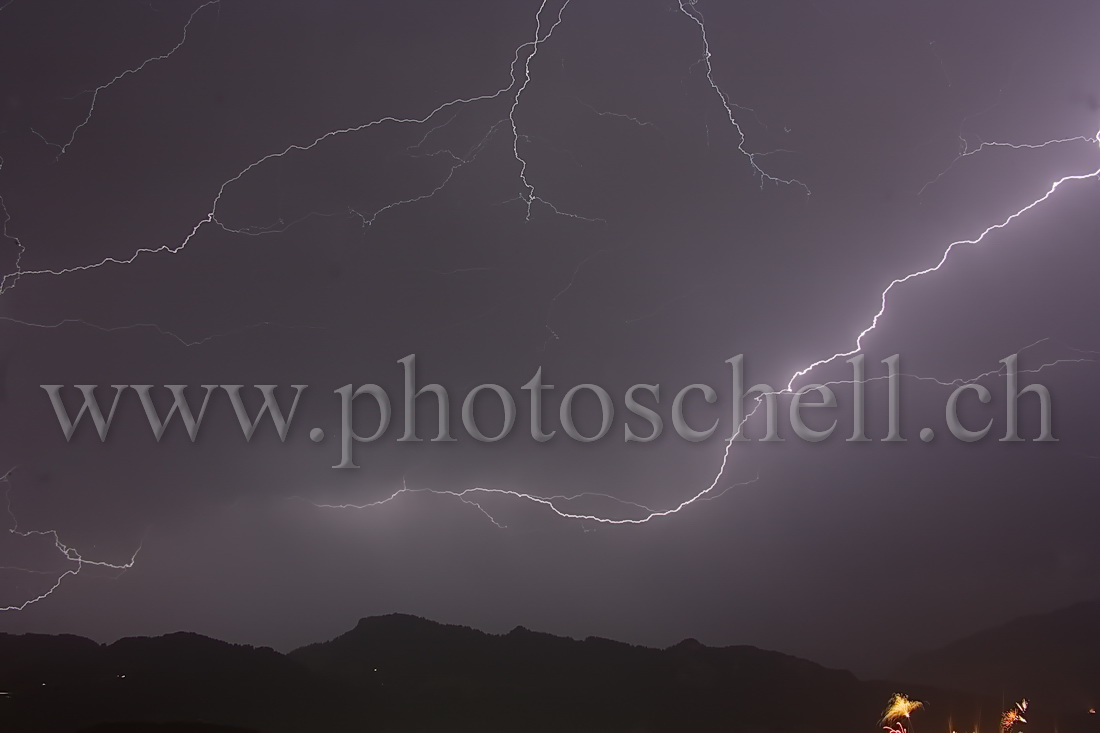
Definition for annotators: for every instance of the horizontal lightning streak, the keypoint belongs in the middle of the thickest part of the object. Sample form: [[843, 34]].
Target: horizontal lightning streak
[[548, 501], [599, 113], [967, 152], [160, 330]]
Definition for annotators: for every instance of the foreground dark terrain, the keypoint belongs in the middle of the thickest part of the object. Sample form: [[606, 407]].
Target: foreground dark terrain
[[401, 673]]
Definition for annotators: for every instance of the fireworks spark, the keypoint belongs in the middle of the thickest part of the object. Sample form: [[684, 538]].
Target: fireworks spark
[[1014, 716], [900, 707]]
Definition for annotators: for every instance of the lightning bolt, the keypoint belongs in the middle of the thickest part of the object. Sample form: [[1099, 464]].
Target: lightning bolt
[[629, 118], [959, 381], [19, 247], [64, 147], [71, 554], [688, 8], [160, 330], [457, 162], [966, 151], [529, 197], [550, 502], [568, 286], [858, 345]]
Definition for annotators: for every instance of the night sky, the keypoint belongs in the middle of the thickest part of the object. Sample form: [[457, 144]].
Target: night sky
[[250, 192]]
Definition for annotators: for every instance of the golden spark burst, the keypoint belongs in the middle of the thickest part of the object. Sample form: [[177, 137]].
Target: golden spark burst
[[900, 707]]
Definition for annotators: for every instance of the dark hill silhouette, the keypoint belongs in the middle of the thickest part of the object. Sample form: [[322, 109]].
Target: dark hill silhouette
[[593, 682], [402, 673], [64, 683], [1052, 658]]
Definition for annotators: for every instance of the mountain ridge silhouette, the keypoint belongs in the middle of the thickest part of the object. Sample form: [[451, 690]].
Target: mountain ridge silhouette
[[402, 672]]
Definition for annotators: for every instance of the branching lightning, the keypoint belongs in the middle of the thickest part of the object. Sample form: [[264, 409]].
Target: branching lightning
[[457, 162], [688, 8], [71, 555], [529, 197], [64, 147], [965, 151], [550, 502], [211, 218]]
